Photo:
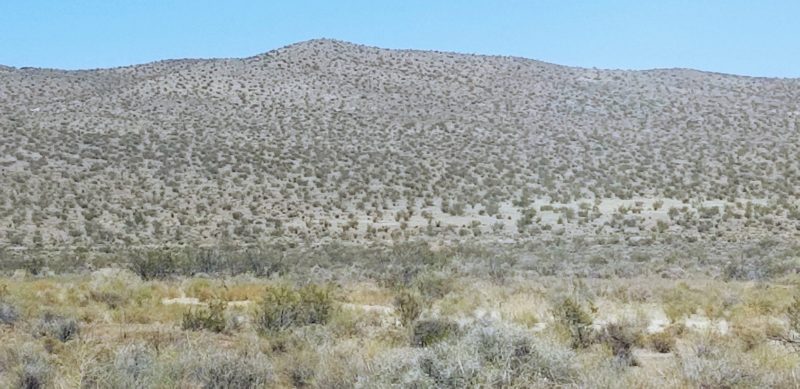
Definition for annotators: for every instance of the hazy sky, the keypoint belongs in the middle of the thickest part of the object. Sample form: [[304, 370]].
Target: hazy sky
[[753, 37]]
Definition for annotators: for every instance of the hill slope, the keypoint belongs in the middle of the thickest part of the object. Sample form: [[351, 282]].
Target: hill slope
[[326, 139]]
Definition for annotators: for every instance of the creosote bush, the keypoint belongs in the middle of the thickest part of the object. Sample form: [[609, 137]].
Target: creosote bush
[[210, 319], [283, 307], [154, 264], [577, 322], [409, 306]]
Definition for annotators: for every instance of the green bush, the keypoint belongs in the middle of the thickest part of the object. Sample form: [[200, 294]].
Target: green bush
[[211, 318], [408, 305], [576, 321], [284, 307]]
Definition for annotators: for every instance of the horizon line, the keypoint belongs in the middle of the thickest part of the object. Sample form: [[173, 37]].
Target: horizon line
[[334, 40]]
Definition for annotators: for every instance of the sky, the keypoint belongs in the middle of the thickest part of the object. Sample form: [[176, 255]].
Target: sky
[[756, 38]]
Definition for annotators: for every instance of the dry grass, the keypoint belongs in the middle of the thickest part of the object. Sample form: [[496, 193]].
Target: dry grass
[[513, 334]]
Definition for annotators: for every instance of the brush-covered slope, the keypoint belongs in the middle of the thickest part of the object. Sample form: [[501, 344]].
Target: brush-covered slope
[[326, 139]]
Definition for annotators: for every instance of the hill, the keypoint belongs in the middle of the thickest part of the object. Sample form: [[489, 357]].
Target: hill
[[328, 140]]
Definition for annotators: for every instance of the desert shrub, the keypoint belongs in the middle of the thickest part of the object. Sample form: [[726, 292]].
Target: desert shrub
[[283, 307], [57, 327], [759, 267], [621, 338], [113, 287], [265, 260], [338, 366], [427, 332], [210, 319], [24, 365], [710, 364], [577, 322], [229, 370], [750, 334], [484, 355], [35, 265], [398, 368], [301, 369], [500, 266], [201, 288], [409, 306], [154, 264], [433, 285], [35, 372], [111, 299], [662, 342], [399, 265], [519, 359], [683, 301], [133, 365], [8, 313], [204, 260], [130, 366], [793, 314], [495, 355]]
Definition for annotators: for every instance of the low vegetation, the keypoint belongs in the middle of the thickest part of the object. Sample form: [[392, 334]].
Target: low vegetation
[[329, 215], [442, 323]]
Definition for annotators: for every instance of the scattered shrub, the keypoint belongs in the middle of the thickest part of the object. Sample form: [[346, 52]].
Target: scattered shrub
[[683, 301], [710, 365], [576, 321], [35, 372], [621, 338], [228, 370], [210, 319], [662, 342], [154, 264], [35, 265], [57, 327], [430, 331], [8, 313], [283, 307], [433, 285], [484, 355], [793, 313], [409, 306], [24, 365], [131, 366]]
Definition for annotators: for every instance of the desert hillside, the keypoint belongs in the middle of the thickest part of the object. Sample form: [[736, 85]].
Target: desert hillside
[[327, 140]]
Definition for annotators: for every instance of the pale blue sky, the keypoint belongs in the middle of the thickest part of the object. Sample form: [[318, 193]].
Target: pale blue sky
[[753, 37]]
